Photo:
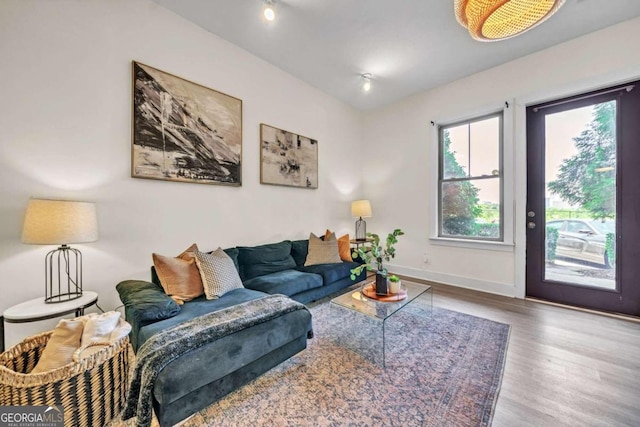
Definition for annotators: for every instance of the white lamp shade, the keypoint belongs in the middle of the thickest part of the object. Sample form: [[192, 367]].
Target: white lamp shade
[[361, 209], [53, 222]]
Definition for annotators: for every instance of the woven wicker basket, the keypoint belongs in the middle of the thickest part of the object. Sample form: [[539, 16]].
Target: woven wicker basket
[[92, 391]]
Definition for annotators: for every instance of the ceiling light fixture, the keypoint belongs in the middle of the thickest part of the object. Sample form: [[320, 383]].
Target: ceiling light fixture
[[269, 10], [366, 82], [491, 20]]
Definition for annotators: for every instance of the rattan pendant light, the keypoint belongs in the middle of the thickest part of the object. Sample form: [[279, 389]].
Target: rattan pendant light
[[490, 20]]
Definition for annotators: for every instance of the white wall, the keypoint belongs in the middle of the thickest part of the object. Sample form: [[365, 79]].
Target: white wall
[[65, 116], [65, 120], [398, 180]]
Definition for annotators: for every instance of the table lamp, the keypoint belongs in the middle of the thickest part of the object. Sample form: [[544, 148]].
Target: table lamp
[[60, 222], [361, 209]]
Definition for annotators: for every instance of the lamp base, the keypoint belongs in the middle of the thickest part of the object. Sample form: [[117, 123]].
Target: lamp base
[[63, 275], [54, 299], [361, 230]]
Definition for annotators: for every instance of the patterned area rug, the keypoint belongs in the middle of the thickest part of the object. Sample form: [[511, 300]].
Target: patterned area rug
[[443, 368]]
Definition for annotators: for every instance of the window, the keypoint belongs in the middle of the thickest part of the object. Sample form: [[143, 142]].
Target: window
[[470, 181]]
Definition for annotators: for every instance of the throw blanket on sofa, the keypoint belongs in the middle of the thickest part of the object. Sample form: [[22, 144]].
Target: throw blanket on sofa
[[163, 348]]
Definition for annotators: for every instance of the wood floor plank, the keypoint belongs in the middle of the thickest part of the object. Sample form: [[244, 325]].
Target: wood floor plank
[[564, 367]]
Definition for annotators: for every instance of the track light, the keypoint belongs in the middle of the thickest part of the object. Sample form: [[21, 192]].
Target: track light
[[269, 10], [366, 82]]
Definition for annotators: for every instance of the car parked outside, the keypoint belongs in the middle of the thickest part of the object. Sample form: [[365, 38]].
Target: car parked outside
[[583, 239]]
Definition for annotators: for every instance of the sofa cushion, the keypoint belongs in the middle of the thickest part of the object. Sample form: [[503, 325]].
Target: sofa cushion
[[146, 301], [265, 259], [233, 254], [287, 282], [218, 272], [330, 272], [299, 251]]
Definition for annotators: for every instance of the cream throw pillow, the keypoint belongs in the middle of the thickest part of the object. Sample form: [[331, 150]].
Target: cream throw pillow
[[179, 276], [218, 273], [323, 252], [61, 345]]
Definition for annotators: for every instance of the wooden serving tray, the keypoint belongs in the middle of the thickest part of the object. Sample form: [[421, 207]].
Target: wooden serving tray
[[370, 292]]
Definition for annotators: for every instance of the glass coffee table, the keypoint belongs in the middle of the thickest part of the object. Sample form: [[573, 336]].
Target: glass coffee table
[[356, 301]]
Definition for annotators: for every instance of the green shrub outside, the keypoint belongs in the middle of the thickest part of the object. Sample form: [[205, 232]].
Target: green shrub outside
[[610, 248]]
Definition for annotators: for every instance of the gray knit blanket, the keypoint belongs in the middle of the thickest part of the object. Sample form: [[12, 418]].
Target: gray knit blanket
[[161, 349]]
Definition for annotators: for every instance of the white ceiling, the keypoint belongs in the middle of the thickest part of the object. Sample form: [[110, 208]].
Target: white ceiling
[[408, 45]]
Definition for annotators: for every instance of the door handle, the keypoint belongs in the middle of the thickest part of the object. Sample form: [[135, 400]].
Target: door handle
[[531, 224]]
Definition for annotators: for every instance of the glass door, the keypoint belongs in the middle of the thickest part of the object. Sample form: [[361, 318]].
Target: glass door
[[580, 188], [579, 218]]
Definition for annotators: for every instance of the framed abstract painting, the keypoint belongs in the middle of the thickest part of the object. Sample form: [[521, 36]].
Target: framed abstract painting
[[183, 131], [287, 158]]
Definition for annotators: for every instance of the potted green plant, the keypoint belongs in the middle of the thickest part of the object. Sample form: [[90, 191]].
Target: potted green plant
[[394, 284], [373, 258]]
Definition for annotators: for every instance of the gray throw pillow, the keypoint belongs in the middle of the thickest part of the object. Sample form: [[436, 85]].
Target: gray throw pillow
[[323, 251], [218, 272]]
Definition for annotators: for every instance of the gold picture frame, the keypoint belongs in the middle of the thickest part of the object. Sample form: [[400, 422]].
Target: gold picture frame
[[183, 131]]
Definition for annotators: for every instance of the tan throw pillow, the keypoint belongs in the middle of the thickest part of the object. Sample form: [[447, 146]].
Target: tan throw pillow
[[323, 252], [344, 246], [61, 345], [218, 273], [98, 327], [179, 276]]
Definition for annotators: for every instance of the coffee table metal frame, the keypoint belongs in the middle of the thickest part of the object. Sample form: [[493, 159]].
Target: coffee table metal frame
[[356, 301]]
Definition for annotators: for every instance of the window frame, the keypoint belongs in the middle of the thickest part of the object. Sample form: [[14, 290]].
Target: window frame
[[508, 178], [442, 180]]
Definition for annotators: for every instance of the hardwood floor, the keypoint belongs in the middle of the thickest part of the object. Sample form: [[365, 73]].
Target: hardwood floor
[[564, 367]]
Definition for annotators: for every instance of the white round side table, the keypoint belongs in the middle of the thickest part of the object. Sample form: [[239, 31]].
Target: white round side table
[[36, 310]]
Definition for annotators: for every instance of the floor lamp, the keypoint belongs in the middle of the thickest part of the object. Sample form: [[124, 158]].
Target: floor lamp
[[60, 222]]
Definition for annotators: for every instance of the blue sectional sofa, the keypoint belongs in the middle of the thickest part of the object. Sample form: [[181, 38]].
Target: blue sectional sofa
[[201, 377]]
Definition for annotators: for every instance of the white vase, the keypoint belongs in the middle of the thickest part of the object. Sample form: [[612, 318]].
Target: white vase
[[394, 287]]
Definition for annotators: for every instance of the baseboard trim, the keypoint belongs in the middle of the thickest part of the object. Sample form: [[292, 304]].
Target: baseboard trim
[[586, 310], [458, 281]]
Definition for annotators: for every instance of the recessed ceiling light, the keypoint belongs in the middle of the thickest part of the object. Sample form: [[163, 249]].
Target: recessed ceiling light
[[366, 82], [269, 10]]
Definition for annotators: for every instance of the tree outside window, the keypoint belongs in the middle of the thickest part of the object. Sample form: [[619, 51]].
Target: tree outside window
[[588, 178]]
